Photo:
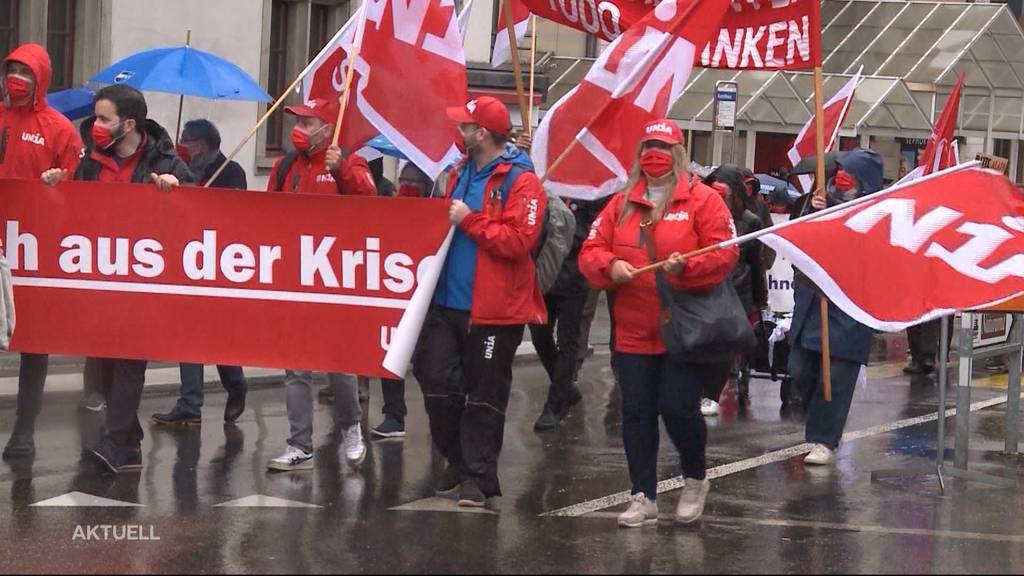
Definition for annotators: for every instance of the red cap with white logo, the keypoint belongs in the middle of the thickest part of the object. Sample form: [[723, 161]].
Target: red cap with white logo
[[663, 130], [485, 111]]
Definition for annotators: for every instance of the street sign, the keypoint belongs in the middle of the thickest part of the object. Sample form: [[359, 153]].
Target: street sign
[[725, 105]]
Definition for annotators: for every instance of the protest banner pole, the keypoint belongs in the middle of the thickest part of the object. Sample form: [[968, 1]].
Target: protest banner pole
[[517, 69], [819, 193], [533, 74], [357, 44]]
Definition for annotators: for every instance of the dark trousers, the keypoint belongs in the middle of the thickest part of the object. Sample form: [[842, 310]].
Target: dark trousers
[[825, 420], [31, 380], [393, 391], [124, 379], [924, 341], [190, 400], [653, 386], [560, 357], [466, 376]]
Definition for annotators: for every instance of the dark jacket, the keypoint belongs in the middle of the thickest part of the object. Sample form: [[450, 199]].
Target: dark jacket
[[233, 175], [570, 280], [749, 276], [157, 156], [848, 339]]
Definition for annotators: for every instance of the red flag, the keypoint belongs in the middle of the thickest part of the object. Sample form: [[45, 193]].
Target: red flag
[[935, 247], [407, 49], [835, 112], [520, 22], [636, 80], [940, 153], [755, 34]]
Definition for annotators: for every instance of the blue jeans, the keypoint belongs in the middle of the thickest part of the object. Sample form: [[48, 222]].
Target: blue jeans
[[191, 400], [825, 420]]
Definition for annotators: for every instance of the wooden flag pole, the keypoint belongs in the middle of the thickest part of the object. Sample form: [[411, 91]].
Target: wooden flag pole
[[533, 74], [517, 68], [357, 44], [819, 192]]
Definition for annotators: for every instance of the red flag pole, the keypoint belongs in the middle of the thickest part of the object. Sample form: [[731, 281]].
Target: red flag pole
[[517, 69], [819, 192]]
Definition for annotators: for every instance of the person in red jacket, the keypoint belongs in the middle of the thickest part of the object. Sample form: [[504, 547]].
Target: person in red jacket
[[316, 166], [682, 215], [486, 294], [34, 138]]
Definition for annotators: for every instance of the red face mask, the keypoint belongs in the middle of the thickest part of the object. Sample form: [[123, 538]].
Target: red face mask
[[845, 181], [184, 153], [18, 88], [103, 137], [656, 163]]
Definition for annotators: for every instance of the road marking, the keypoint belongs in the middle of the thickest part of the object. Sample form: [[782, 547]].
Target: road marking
[[591, 506], [261, 501], [83, 500]]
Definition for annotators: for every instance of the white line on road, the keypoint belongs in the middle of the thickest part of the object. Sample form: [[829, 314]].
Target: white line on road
[[620, 498]]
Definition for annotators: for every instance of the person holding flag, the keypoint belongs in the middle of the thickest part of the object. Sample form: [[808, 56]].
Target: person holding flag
[[662, 213]]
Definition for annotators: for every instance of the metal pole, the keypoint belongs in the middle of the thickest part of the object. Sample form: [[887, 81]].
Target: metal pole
[[963, 391], [940, 457], [1013, 386]]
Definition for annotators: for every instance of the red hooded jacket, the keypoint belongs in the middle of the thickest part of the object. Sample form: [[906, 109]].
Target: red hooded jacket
[[35, 138], [695, 217], [310, 176], [505, 288]]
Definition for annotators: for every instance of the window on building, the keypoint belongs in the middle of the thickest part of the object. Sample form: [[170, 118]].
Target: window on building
[[277, 73], [319, 28], [60, 42], [8, 25]]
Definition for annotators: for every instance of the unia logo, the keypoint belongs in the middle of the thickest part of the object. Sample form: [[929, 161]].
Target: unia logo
[[531, 217], [659, 128], [33, 138], [489, 347], [471, 106], [680, 216]]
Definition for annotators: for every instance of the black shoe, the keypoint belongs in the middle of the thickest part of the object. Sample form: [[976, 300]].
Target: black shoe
[[21, 445], [575, 397], [235, 406], [449, 482], [176, 418], [548, 420], [916, 368], [470, 495], [117, 459], [389, 428]]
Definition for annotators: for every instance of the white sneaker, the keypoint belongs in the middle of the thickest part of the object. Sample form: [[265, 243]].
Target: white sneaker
[[820, 455], [708, 407], [292, 459], [691, 501], [641, 512], [355, 449]]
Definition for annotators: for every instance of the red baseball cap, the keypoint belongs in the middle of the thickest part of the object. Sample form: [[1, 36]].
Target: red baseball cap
[[486, 111], [326, 110], [663, 130]]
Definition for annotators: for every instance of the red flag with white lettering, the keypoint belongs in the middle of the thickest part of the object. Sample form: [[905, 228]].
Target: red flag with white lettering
[[835, 112], [407, 48], [755, 35], [520, 22], [940, 152], [636, 80], [946, 242]]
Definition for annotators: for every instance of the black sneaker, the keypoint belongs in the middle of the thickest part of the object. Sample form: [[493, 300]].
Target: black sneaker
[[470, 495], [21, 445], [117, 459], [234, 407], [449, 482], [389, 428], [916, 368], [176, 418]]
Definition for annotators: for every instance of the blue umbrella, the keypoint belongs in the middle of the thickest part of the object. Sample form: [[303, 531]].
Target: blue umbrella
[[768, 181], [384, 146], [186, 71], [75, 103]]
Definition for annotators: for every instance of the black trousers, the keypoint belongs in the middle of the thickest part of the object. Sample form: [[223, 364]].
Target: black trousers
[[124, 379], [393, 391], [924, 341], [559, 357], [466, 376], [31, 380]]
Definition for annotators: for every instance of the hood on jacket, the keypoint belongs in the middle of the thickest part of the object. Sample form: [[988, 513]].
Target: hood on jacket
[[866, 165], [517, 157], [35, 57]]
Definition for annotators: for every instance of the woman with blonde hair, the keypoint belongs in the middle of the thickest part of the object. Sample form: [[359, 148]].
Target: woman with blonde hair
[[662, 214]]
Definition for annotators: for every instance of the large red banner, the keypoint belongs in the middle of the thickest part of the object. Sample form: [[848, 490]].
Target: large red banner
[[943, 243], [754, 35], [214, 276]]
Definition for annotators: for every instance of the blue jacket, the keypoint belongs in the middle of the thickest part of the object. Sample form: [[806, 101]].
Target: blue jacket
[[455, 286], [848, 339]]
